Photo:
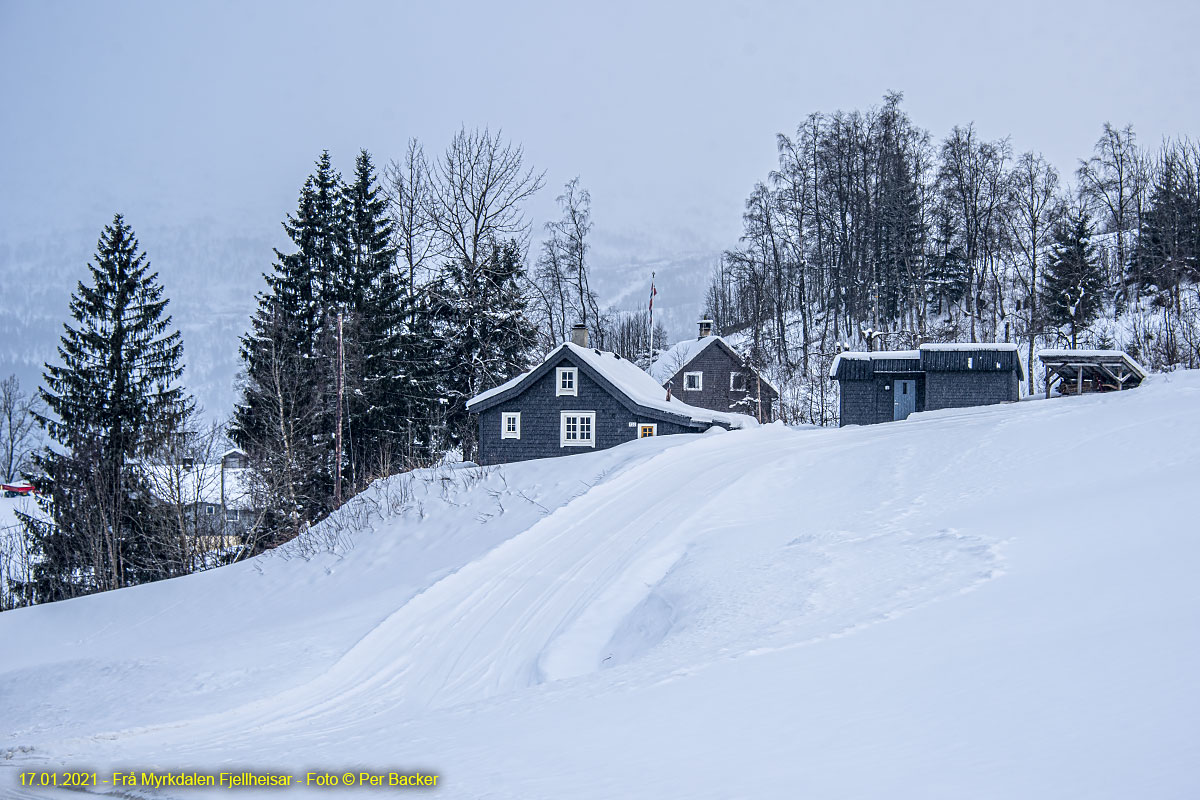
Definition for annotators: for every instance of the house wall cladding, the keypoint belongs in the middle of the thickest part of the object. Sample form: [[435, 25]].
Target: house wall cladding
[[970, 388], [866, 402], [541, 417], [717, 365]]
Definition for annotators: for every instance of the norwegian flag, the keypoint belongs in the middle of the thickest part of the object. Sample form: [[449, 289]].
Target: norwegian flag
[[653, 292]]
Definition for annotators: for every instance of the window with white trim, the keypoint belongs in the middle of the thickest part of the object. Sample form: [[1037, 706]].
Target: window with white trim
[[693, 381], [737, 381], [567, 382], [577, 429], [510, 425], [647, 429]]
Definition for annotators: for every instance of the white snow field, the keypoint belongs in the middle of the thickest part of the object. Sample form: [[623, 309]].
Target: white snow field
[[987, 603]]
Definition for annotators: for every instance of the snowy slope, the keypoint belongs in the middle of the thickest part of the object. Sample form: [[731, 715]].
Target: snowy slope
[[993, 602]]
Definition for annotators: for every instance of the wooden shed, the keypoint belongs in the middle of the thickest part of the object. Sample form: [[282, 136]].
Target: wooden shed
[[1079, 371], [889, 385]]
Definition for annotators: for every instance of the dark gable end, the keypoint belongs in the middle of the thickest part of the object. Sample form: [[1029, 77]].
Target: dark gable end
[[717, 361]]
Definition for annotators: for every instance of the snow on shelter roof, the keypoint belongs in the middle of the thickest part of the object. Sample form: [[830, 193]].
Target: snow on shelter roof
[[623, 374], [1095, 356]]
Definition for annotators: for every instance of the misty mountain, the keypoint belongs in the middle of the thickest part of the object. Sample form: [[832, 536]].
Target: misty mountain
[[211, 274]]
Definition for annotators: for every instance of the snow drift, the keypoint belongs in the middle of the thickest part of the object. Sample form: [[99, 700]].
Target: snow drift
[[992, 602]]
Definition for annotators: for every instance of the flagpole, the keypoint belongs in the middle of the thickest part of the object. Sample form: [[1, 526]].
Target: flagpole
[[651, 331]]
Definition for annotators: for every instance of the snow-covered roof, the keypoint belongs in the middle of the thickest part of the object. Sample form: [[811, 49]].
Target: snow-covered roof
[[200, 484], [874, 355], [1000, 347], [1051, 354], [671, 360], [622, 373], [931, 347]]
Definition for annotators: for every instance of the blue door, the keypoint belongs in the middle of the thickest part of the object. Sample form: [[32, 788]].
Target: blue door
[[904, 393]]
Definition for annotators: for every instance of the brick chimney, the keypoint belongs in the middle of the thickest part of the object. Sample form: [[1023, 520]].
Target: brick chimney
[[705, 328], [579, 335]]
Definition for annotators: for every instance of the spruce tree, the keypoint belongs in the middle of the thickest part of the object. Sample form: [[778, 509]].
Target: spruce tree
[[1073, 287], [482, 320], [113, 400], [284, 418], [376, 302]]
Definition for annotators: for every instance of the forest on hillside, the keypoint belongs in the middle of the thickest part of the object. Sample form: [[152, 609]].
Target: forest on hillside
[[871, 234]]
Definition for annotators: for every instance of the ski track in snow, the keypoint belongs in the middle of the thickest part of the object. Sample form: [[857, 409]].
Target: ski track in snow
[[555, 601]]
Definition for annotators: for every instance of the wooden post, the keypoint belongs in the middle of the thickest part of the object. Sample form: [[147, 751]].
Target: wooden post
[[1079, 381], [1048, 374]]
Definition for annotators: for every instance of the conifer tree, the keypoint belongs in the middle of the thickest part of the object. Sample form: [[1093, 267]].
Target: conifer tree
[[284, 421], [375, 300], [1073, 288], [113, 400], [483, 324]]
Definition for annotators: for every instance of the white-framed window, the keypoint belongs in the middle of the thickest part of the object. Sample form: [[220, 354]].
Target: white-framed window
[[577, 429], [693, 381], [510, 425], [737, 381], [210, 510], [567, 382], [647, 429], [231, 514]]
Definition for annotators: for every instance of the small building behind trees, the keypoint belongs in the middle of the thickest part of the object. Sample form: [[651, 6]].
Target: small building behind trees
[[889, 385]]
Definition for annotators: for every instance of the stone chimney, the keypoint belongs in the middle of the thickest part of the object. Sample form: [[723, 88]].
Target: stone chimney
[[579, 335], [705, 328]]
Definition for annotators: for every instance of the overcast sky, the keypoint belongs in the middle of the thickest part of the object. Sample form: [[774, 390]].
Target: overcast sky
[[173, 112]]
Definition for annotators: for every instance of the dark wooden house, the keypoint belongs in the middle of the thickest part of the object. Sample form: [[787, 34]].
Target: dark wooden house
[[889, 385], [707, 372], [579, 399]]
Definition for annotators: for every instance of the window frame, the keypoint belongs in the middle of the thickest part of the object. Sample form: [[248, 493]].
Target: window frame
[[559, 391], [653, 426], [563, 441], [699, 387], [232, 514], [505, 433], [745, 382]]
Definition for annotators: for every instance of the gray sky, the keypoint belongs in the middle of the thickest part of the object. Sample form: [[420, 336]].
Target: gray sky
[[175, 112]]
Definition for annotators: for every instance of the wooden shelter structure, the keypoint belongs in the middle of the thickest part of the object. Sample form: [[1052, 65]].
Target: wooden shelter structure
[[1090, 371]]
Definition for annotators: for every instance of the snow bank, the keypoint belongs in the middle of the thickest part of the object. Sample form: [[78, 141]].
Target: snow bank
[[756, 615]]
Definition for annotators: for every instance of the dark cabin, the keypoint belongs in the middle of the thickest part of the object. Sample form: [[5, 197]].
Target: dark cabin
[[708, 373], [580, 399], [889, 385]]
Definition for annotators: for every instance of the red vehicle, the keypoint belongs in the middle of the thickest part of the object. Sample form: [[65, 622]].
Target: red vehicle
[[22, 489]]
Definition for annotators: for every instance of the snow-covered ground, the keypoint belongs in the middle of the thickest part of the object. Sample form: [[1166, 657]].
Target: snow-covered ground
[[984, 603]]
